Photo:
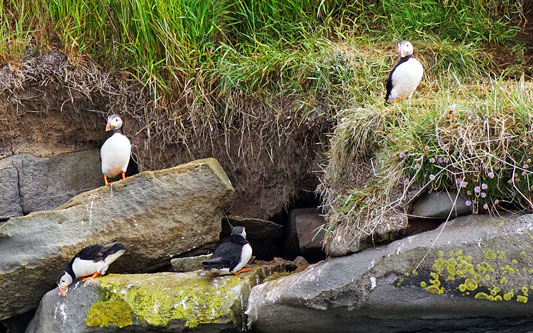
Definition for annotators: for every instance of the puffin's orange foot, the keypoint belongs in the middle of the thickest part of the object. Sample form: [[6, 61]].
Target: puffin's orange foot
[[242, 271], [123, 175], [97, 274], [106, 182]]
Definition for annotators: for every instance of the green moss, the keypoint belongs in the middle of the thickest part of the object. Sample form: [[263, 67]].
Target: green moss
[[159, 298], [105, 313], [471, 284], [490, 255], [508, 296], [481, 295], [435, 290]]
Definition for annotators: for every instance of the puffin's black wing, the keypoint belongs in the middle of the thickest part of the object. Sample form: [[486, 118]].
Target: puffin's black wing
[[99, 252], [389, 84], [92, 252], [389, 80], [227, 255]]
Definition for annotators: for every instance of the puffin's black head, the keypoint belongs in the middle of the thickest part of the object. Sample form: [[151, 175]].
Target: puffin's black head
[[238, 231], [405, 48], [113, 122], [63, 281]]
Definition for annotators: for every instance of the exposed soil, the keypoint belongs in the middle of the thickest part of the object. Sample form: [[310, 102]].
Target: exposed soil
[[48, 107]]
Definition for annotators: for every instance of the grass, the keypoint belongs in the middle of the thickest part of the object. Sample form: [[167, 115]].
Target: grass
[[280, 71], [470, 139]]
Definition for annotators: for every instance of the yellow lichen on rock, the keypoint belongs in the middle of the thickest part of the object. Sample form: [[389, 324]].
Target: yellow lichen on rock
[[522, 299], [156, 299], [114, 312]]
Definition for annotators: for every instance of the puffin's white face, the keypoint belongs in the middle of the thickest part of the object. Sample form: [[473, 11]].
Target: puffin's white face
[[239, 231], [113, 122], [63, 282], [405, 48]]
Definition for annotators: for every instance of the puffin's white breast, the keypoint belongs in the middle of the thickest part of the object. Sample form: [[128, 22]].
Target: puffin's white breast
[[115, 154], [406, 78], [246, 254], [83, 267]]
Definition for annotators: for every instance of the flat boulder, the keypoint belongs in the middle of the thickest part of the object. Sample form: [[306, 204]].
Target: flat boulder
[[162, 302], [472, 273], [156, 214], [43, 183]]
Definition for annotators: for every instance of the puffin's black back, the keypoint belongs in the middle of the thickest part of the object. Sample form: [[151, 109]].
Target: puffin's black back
[[99, 252], [389, 80], [226, 255]]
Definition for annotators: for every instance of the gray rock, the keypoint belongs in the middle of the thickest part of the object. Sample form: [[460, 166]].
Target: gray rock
[[45, 183], [256, 229], [310, 234], [162, 302], [189, 264], [154, 213], [9, 192], [438, 205], [263, 235], [475, 274], [301, 230], [300, 261]]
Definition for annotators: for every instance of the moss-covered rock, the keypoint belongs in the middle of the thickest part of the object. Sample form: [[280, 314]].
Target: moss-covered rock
[[162, 301], [472, 271], [156, 214]]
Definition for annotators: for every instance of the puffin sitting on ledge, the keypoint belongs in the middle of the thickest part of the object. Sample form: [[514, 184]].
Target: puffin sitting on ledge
[[230, 257], [90, 262], [406, 76], [116, 150]]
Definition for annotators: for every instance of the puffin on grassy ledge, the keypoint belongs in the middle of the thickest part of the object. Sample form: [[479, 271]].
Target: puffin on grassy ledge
[[116, 150], [405, 76], [90, 262], [232, 256]]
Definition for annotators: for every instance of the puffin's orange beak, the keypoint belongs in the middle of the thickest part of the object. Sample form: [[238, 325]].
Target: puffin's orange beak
[[108, 127], [61, 291]]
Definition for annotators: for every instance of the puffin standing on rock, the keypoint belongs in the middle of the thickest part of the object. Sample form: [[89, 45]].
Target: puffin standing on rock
[[116, 150], [230, 257], [89, 263], [406, 76]]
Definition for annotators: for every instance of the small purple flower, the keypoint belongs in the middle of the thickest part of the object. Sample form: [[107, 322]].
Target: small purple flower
[[486, 207], [463, 184], [468, 202], [417, 166], [432, 160], [440, 160], [401, 155], [484, 165], [432, 177], [490, 174], [484, 186], [525, 166], [440, 143], [477, 189], [524, 173], [483, 194], [446, 159]]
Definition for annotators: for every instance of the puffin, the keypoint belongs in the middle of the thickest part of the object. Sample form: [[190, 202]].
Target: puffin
[[116, 150], [90, 262], [230, 257], [405, 76]]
